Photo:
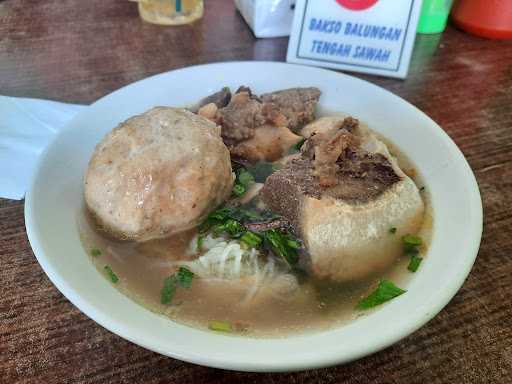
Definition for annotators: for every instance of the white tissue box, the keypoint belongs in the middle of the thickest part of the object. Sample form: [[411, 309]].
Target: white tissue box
[[267, 18]]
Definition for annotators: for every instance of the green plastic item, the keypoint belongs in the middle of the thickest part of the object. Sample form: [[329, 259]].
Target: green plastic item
[[434, 15]]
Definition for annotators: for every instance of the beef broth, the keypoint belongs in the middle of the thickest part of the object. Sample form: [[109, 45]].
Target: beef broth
[[142, 269]]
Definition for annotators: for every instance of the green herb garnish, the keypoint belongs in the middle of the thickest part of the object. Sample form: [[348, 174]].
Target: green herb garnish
[[242, 215], [95, 252], [110, 273], [230, 221], [220, 326], [245, 178], [411, 248], [168, 290], [216, 217], [234, 228], [384, 292], [412, 240], [231, 227], [182, 278], [221, 214], [414, 263], [200, 242], [392, 230], [185, 276], [293, 243], [251, 239], [243, 182], [239, 190], [282, 245]]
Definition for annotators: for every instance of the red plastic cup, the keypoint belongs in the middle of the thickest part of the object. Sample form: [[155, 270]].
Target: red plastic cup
[[486, 18]]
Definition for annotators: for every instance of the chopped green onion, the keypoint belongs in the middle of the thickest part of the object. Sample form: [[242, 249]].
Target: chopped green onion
[[384, 292], [221, 214], [238, 190], [200, 242], [110, 273], [251, 239], [293, 243], [243, 181], [231, 227], [95, 252], [234, 228], [182, 278], [279, 244], [392, 230], [245, 178], [185, 276], [414, 263], [411, 245], [220, 326], [168, 290], [412, 240]]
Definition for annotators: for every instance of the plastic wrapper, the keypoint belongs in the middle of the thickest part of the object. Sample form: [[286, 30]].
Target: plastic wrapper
[[268, 18]]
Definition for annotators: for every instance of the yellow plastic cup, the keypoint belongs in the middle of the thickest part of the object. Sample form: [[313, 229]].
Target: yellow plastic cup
[[170, 12]]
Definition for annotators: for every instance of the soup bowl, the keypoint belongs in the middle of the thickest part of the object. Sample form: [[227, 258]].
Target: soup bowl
[[55, 199]]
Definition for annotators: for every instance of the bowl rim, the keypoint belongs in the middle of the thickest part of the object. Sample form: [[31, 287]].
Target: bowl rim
[[312, 360]]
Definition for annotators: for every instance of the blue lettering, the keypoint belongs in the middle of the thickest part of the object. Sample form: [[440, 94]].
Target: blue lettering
[[312, 24], [325, 26], [373, 31], [331, 48], [371, 54]]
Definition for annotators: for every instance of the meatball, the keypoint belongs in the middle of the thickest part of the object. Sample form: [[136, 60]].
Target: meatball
[[157, 174]]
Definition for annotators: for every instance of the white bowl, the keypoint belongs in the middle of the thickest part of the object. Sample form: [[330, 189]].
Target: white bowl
[[54, 201]]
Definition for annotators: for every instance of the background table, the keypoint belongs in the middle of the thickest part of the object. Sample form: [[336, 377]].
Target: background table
[[78, 51]]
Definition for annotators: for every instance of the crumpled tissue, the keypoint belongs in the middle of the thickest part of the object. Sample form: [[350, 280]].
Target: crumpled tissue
[[26, 127]]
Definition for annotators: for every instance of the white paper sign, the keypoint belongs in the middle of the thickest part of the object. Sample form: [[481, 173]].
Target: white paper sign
[[371, 36]]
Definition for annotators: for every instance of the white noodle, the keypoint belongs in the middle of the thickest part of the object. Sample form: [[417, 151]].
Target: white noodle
[[226, 260]]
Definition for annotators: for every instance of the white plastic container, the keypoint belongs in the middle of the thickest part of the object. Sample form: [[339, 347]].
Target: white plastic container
[[268, 18]]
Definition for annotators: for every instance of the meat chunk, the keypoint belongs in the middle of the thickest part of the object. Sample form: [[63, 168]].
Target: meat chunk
[[330, 124], [157, 174], [209, 111], [327, 150], [285, 189], [297, 104], [220, 98], [269, 143], [254, 130], [241, 117], [345, 225], [278, 223], [259, 128]]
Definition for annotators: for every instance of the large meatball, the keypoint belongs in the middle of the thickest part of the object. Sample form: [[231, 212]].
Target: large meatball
[[157, 174]]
